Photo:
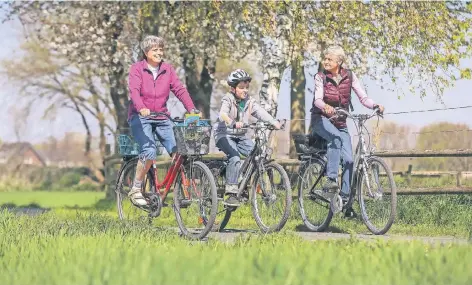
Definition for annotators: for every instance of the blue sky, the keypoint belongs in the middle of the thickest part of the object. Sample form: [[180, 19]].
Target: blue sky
[[37, 129]]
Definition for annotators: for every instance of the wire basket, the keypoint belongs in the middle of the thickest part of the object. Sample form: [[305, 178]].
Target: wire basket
[[193, 139], [127, 146]]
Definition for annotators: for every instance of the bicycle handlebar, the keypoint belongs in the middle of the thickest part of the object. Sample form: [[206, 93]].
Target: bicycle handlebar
[[175, 120], [364, 117], [259, 125]]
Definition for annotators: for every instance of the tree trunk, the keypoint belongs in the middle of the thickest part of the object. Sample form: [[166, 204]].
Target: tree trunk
[[297, 102], [200, 89]]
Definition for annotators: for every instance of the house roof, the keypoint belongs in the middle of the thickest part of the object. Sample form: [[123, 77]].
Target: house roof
[[8, 150]]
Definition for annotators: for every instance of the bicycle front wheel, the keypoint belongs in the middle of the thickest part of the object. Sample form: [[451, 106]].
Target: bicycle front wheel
[[195, 201], [271, 198], [377, 195]]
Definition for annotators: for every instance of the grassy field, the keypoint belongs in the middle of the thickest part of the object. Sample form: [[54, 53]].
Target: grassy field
[[92, 248], [440, 215], [51, 199], [81, 241]]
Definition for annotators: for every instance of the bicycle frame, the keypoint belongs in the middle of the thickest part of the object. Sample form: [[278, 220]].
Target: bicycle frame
[[163, 188], [359, 161], [249, 165]]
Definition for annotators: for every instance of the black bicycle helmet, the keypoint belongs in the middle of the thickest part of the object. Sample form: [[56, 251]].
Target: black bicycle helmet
[[237, 76]]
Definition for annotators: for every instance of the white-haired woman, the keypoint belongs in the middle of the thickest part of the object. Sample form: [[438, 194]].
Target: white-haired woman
[[150, 83], [333, 88]]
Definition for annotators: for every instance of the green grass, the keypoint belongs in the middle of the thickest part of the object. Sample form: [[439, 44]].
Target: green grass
[[440, 215], [96, 249], [52, 199]]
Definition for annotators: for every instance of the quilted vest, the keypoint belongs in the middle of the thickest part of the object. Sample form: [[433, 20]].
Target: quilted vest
[[336, 95]]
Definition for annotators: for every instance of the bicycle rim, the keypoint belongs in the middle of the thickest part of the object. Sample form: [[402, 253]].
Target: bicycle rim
[[377, 196], [271, 198], [315, 212], [195, 201]]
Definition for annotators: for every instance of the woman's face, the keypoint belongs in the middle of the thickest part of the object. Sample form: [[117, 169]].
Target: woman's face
[[241, 90], [331, 62], [155, 55]]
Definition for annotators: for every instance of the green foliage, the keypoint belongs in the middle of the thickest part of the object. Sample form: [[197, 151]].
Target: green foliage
[[49, 179], [69, 179]]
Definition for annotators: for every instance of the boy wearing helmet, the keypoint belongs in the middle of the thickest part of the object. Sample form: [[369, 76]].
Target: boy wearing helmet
[[230, 137]]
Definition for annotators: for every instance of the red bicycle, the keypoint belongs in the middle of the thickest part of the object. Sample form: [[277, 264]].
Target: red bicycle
[[194, 194]]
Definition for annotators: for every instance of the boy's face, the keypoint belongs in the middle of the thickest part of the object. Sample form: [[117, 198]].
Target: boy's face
[[241, 90]]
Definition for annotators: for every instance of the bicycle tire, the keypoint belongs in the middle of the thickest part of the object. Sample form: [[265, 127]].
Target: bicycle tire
[[285, 185], [367, 219], [305, 183], [178, 205], [121, 194]]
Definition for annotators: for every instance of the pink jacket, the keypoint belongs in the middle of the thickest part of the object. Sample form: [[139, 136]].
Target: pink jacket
[[145, 92]]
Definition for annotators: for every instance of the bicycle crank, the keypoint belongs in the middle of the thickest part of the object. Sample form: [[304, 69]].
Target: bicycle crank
[[336, 204], [155, 205]]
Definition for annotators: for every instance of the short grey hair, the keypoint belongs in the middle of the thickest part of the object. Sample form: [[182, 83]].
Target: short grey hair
[[337, 51], [151, 41]]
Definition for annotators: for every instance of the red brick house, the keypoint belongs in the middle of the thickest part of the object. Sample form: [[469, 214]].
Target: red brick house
[[22, 153]]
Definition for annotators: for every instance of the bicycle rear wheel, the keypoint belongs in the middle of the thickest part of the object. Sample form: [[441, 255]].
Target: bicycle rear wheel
[[315, 211], [271, 198], [126, 209], [195, 201], [377, 196]]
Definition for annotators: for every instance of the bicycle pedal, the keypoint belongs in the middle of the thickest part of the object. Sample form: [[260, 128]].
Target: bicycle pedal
[[230, 208], [184, 203]]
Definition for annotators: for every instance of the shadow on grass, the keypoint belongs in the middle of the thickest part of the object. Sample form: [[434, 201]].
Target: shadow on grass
[[100, 205], [32, 209], [331, 229]]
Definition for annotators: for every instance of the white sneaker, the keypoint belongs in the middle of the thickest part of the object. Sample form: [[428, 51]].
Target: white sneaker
[[137, 197]]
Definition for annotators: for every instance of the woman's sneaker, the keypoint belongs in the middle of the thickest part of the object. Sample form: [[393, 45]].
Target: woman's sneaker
[[330, 188], [137, 197], [232, 200]]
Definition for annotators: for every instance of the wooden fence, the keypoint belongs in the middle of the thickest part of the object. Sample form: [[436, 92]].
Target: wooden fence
[[113, 163]]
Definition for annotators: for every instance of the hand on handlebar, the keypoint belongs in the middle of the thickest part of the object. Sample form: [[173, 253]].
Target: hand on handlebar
[[379, 108], [329, 110], [194, 111], [238, 125], [145, 112], [277, 125]]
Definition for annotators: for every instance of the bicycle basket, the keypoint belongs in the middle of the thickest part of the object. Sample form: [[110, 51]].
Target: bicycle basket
[[193, 139], [127, 146]]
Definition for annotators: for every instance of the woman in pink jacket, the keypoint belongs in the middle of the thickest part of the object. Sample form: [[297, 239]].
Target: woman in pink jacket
[[150, 83]]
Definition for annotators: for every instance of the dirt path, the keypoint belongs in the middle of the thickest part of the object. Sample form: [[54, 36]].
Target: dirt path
[[230, 236]]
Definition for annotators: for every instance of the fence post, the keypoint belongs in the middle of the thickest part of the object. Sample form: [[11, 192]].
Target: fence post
[[408, 174], [458, 178]]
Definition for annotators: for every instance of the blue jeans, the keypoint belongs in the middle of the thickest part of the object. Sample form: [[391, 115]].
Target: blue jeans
[[339, 147], [233, 147], [143, 132]]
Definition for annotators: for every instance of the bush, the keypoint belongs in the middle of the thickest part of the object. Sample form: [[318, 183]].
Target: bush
[[68, 180]]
